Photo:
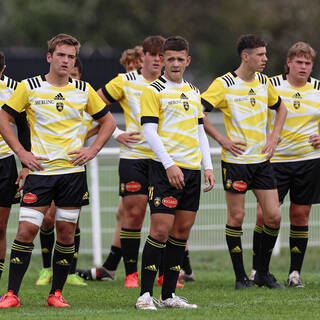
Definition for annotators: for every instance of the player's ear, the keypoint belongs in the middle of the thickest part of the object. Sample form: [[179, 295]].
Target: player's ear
[[49, 57], [188, 60]]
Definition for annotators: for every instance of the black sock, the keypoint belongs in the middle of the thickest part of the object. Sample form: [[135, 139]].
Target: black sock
[[47, 242], [298, 245], [151, 258], [1, 266], [257, 235], [130, 242], [173, 257], [186, 265], [76, 251], [233, 237], [62, 258], [19, 261], [113, 259], [268, 240], [161, 266]]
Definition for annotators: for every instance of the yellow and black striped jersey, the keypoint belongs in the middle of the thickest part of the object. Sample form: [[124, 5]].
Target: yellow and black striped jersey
[[7, 86], [127, 89], [245, 110], [177, 110], [55, 116], [302, 120]]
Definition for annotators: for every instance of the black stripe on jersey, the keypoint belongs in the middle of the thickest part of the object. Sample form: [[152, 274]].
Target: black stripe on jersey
[[227, 81], [107, 95], [207, 106], [84, 85], [200, 120], [127, 76], [34, 83], [38, 82], [11, 111], [162, 79], [101, 113], [30, 84], [77, 84], [262, 78], [315, 84], [276, 106], [157, 86], [230, 79], [2, 77], [148, 119], [9, 83], [15, 85], [318, 87]]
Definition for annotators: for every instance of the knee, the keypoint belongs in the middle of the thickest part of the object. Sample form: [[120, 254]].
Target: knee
[[65, 237], [160, 234], [273, 220], [235, 218], [299, 215]]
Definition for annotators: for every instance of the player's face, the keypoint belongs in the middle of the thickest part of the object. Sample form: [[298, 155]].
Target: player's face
[[152, 62], [130, 65], [300, 67], [75, 74], [257, 59], [175, 63], [62, 60]]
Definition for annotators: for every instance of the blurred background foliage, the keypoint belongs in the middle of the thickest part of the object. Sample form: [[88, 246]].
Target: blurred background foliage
[[212, 27]]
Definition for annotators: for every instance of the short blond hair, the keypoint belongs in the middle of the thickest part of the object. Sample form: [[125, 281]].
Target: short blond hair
[[300, 49], [63, 38]]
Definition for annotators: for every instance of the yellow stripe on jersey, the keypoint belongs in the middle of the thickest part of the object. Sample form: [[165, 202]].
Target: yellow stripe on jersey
[[302, 120], [7, 86], [244, 106], [127, 89], [55, 116], [177, 109]]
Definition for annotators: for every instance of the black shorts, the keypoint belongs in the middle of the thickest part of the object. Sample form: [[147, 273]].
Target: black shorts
[[8, 177], [164, 198], [133, 175], [302, 178], [66, 190], [238, 178]]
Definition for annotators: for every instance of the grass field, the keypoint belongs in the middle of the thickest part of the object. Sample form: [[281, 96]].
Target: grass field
[[213, 291]]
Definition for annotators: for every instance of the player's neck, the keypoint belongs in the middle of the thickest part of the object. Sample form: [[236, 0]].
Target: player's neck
[[245, 74], [294, 82], [150, 76], [55, 80]]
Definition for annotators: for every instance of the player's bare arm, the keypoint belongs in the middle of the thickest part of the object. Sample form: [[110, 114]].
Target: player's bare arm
[[7, 132], [107, 126], [235, 147], [273, 138]]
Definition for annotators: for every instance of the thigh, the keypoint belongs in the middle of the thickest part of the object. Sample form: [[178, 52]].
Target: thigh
[[284, 173], [8, 177], [183, 222], [235, 205], [71, 190], [133, 176]]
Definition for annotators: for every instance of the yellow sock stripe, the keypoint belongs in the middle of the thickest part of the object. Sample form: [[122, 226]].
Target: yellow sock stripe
[[1, 266], [77, 234], [177, 242], [299, 234], [270, 232], [156, 244], [22, 248], [64, 249], [233, 233], [46, 232], [130, 235], [258, 229]]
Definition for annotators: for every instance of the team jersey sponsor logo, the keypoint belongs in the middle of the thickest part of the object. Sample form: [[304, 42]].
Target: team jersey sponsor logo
[[30, 198], [133, 186], [239, 185], [157, 201], [170, 202]]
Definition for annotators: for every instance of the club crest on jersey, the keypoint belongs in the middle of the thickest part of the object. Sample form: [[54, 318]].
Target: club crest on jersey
[[59, 106], [186, 106], [296, 103], [252, 101], [170, 202], [133, 186], [239, 185]]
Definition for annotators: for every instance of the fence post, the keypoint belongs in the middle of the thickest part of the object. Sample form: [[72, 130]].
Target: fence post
[[95, 212]]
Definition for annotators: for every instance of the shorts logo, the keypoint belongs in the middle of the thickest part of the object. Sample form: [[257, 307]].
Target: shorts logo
[[228, 184], [122, 187], [133, 186], [30, 198], [157, 202], [17, 195], [239, 185], [85, 196], [170, 202]]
